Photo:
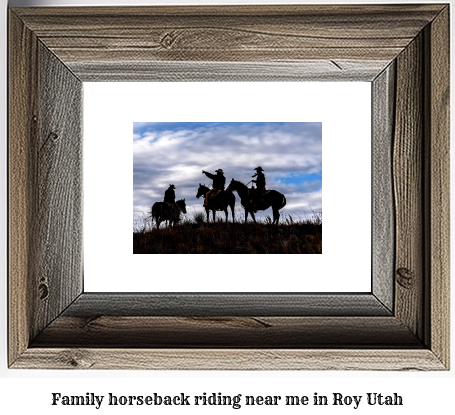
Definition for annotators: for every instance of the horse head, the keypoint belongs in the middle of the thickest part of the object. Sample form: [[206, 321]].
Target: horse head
[[239, 187], [201, 191], [231, 186], [182, 205]]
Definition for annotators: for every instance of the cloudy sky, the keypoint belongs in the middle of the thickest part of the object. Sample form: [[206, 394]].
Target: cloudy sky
[[290, 154]]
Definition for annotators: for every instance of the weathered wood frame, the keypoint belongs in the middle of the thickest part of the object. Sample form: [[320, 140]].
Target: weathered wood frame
[[403, 50]]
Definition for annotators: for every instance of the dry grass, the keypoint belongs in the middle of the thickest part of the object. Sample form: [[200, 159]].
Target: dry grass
[[197, 237]]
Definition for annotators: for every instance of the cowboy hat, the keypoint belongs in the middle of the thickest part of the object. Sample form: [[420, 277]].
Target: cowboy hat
[[219, 171], [259, 168]]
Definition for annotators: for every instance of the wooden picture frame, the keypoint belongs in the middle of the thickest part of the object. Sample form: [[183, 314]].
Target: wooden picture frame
[[402, 324]]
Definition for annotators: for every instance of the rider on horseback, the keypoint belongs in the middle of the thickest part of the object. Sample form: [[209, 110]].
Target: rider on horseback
[[169, 196], [219, 182], [260, 185]]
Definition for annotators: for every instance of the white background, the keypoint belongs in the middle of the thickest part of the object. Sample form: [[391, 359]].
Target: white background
[[345, 112], [30, 391]]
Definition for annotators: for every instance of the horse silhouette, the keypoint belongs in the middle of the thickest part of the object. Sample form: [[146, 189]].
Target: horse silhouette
[[162, 211], [271, 198], [219, 201]]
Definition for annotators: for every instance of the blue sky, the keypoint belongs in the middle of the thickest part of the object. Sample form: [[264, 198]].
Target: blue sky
[[289, 153]]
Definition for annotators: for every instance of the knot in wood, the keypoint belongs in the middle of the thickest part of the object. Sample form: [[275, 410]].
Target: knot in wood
[[168, 40], [53, 136], [404, 277], [43, 290], [76, 359]]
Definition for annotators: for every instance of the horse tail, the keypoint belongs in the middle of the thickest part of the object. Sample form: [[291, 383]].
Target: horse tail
[[283, 203], [155, 211]]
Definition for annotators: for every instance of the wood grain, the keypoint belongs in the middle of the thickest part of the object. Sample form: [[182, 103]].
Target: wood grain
[[408, 187], [230, 359], [44, 187], [227, 34], [21, 130], [259, 332], [438, 191], [308, 71], [57, 216], [228, 304], [383, 214]]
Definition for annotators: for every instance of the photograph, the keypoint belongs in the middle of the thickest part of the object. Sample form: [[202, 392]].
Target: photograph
[[227, 187]]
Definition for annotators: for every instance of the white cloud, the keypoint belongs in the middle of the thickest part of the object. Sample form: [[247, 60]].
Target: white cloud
[[168, 155]]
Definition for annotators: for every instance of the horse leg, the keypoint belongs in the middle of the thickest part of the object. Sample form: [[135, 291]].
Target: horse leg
[[233, 217], [252, 215], [207, 213], [246, 215], [214, 214], [226, 212], [276, 216]]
